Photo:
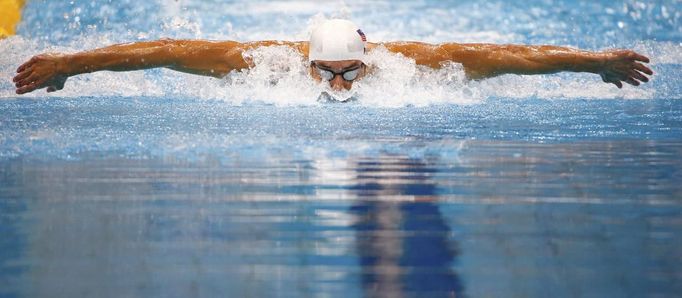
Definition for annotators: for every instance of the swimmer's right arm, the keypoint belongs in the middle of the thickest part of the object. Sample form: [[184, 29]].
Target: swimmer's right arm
[[209, 58]]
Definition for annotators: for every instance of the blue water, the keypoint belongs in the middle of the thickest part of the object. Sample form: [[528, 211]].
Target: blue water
[[158, 184]]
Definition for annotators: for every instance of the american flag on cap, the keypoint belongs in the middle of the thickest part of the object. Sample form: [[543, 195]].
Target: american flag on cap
[[362, 35]]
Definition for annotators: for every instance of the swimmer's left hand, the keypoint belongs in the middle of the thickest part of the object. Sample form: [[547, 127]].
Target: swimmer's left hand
[[41, 71], [620, 66]]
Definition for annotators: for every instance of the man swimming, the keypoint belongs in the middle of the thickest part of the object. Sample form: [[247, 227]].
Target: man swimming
[[336, 53]]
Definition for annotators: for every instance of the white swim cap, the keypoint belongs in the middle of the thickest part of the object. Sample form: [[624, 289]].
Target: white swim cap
[[337, 40]]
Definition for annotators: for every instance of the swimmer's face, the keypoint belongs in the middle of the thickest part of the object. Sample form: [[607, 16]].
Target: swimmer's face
[[340, 72]]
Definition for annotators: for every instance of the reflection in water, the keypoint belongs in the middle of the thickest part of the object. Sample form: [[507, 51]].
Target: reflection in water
[[404, 246], [531, 220]]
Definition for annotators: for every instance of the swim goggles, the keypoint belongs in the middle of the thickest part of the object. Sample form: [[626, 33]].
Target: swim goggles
[[328, 75]]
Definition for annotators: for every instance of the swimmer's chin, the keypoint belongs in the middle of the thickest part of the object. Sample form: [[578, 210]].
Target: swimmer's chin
[[332, 97]]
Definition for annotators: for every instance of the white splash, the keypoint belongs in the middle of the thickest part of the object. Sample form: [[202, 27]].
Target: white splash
[[279, 77]]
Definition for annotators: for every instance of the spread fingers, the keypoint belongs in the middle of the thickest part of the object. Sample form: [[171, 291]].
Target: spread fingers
[[632, 82], [26, 64], [637, 75], [22, 75], [29, 79], [641, 67], [639, 57], [30, 87]]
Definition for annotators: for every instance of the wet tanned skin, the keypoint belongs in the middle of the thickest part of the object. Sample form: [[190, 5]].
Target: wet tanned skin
[[218, 58]]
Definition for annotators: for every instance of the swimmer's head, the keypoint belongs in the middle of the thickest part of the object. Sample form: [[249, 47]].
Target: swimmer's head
[[336, 53]]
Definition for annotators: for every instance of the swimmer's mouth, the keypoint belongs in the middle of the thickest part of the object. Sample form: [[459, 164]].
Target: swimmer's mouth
[[326, 97]]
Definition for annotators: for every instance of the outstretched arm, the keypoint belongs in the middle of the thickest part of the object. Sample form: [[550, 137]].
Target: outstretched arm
[[192, 56], [488, 60]]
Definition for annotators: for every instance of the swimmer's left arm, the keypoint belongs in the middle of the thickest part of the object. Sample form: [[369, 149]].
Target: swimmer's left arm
[[488, 60]]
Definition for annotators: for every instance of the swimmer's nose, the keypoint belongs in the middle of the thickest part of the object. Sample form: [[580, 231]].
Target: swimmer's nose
[[338, 83]]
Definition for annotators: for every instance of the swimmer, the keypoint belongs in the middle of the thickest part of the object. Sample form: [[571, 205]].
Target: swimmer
[[335, 53]]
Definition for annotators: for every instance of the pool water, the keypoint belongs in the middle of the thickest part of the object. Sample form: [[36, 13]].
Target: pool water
[[157, 184]]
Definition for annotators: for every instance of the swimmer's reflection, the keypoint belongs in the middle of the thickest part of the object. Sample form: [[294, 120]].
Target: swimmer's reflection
[[404, 246]]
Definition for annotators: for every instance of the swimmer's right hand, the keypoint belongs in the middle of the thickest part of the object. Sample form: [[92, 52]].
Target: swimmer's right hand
[[623, 66], [42, 71]]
